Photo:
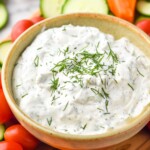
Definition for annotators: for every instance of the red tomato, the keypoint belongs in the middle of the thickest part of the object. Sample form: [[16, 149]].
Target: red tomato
[[20, 135], [19, 28], [148, 125], [144, 25], [5, 112], [10, 146], [37, 19], [0, 82]]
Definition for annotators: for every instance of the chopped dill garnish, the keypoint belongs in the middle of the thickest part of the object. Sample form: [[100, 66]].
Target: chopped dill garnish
[[36, 61], [112, 54], [39, 48], [84, 126], [140, 73], [54, 84], [106, 105], [105, 93], [100, 109], [131, 86], [64, 29], [53, 99], [18, 85], [24, 95], [97, 92], [66, 51], [66, 106], [49, 121]]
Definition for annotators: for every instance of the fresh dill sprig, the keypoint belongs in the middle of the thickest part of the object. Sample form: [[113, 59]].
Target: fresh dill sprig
[[54, 84], [97, 92], [66, 51], [105, 93], [112, 54]]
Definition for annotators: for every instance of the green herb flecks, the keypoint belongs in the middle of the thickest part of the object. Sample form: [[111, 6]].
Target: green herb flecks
[[66, 51], [53, 99], [66, 106], [18, 85], [39, 48], [36, 61], [49, 121], [130, 86], [24, 95], [140, 73], [112, 54], [54, 83], [83, 127], [103, 94]]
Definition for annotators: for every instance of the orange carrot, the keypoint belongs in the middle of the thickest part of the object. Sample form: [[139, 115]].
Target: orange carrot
[[124, 9]]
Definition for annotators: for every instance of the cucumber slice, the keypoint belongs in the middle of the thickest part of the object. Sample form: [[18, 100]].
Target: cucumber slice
[[2, 130], [4, 49], [3, 15], [93, 6], [140, 18], [51, 8], [143, 7]]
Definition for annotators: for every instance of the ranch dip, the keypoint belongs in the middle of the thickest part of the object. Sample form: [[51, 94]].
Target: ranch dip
[[79, 80]]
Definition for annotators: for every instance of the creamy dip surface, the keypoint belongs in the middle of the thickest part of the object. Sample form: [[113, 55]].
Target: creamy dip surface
[[80, 80]]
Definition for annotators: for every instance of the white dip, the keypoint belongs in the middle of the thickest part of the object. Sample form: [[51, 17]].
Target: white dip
[[81, 81]]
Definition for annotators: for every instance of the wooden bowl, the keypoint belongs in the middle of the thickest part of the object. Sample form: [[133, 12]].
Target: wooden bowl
[[108, 24]]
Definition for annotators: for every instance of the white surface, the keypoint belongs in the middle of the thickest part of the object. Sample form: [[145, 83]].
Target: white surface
[[18, 9]]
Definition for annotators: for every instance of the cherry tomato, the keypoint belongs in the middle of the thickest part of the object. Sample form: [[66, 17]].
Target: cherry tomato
[[5, 112], [0, 82], [144, 25], [148, 125], [19, 28], [20, 135], [4, 145], [37, 19]]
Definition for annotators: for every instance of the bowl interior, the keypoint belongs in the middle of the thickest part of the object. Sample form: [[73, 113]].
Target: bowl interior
[[118, 28]]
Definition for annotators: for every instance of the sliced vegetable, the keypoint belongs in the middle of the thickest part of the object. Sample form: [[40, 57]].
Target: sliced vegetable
[[3, 15], [2, 130], [140, 18], [19, 28], [20, 135], [143, 7], [4, 49], [144, 25], [51, 8], [5, 112], [37, 19], [94, 6], [124, 9], [4, 145]]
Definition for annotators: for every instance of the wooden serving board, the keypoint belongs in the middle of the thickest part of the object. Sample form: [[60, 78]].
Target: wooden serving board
[[141, 141]]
